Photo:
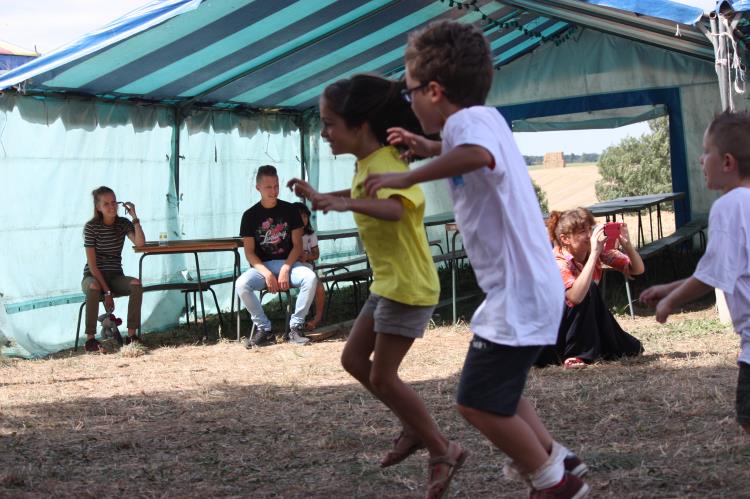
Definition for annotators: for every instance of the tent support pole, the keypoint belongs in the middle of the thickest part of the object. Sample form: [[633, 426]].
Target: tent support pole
[[175, 156], [720, 56], [303, 132]]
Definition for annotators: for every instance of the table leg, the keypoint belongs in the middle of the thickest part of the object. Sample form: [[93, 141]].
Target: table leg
[[641, 236], [140, 279], [235, 275], [200, 293], [454, 264], [651, 224], [658, 221]]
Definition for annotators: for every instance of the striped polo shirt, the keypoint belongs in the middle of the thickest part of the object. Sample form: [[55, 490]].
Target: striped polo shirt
[[108, 241]]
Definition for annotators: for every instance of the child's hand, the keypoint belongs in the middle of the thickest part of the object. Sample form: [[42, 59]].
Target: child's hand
[[663, 309], [109, 303], [651, 296], [598, 238], [331, 203], [416, 144], [301, 188], [624, 235], [272, 284], [130, 209], [377, 181]]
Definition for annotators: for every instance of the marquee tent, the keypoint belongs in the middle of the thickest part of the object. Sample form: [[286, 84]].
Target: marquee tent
[[175, 104]]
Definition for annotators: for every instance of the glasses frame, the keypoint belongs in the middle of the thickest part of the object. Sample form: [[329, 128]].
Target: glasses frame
[[406, 92]]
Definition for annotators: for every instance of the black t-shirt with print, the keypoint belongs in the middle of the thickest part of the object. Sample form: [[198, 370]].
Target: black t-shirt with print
[[271, 228]]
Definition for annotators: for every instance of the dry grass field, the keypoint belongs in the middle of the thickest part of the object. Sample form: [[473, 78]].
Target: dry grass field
[[567, 187], [188, 419], [217, 420]]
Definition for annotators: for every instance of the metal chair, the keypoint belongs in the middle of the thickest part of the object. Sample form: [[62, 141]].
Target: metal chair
[[195, 290]]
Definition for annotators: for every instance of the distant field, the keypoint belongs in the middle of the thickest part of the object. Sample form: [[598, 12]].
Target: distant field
[[568, 165], [573, 186], [568, 187]]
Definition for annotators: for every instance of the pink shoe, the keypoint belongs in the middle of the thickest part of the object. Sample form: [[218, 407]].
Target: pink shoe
[[570, 487]]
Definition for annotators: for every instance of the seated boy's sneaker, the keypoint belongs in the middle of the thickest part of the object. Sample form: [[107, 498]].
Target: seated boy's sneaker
[[93, 345], [260, 338], [296, 335], [570, 487], [575, 466], [133, 339]]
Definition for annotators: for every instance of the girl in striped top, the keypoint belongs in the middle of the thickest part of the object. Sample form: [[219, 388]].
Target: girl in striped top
[[103, 239]]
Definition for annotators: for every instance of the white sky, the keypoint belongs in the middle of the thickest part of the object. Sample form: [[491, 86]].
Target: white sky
[[49, 24], [578, 141]]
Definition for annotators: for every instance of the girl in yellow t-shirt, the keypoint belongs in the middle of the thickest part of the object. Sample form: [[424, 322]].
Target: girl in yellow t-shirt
[[355, 115]]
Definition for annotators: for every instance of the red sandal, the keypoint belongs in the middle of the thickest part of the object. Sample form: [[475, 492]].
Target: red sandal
[[574, 363], [404, 445], [442, 469]]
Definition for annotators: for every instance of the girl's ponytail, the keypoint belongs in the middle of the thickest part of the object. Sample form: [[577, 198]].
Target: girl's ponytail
[[552, 221]]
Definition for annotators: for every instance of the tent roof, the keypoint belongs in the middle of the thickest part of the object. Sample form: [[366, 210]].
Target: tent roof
[[282, 53], [10, 49]]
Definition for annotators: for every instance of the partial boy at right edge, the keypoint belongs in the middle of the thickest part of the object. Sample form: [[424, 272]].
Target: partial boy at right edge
[[726, 263], [448, 76]]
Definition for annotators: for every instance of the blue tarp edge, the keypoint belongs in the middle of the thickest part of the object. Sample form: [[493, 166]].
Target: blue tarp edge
[[132, 23]]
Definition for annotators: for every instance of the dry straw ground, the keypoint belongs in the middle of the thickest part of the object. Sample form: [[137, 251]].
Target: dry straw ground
[[220, 421]]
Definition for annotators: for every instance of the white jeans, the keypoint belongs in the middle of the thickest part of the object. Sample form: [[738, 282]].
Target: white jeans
[[300, 277]]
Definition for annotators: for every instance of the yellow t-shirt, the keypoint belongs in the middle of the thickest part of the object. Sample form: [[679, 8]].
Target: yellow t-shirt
[[399, 253]]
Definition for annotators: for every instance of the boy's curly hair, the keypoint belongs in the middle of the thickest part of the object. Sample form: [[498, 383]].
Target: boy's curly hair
[[455, 55], [730, 132]]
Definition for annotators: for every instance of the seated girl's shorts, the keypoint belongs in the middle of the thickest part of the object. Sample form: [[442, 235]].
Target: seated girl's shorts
[[743, 394], [392, 317], [494, 376]]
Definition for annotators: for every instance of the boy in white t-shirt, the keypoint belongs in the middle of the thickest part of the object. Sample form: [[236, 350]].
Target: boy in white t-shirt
[[448, 76], [726, 263]]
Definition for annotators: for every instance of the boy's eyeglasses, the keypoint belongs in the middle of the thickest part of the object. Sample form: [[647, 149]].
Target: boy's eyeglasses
[[406, 92]]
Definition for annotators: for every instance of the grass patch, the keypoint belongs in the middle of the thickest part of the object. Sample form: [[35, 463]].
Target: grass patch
[[216, 420], [212, 419]]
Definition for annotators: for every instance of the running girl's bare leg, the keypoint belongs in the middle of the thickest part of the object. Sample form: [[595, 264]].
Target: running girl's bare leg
[[390, 350]]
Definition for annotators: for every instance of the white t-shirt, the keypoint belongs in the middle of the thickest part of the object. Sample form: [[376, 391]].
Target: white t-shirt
[[504, 236], [726, 263], [309, 241]]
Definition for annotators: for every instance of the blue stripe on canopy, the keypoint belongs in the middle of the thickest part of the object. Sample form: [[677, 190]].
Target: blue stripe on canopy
[[379, 60], [347, 42], [282, 53], [162, 65], [259, 51], [127, 26]]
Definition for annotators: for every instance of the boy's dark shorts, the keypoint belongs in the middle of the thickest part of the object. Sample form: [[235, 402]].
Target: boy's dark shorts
[[494, 375], [743, 394]]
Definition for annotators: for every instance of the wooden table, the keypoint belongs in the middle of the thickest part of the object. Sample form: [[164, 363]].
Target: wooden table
[[193, 246]]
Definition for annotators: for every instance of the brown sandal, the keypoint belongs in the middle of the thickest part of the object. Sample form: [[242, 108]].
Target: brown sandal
[[442, 469], [404, 445]]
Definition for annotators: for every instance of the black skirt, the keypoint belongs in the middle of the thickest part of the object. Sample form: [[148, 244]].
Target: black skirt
[[590, 332]]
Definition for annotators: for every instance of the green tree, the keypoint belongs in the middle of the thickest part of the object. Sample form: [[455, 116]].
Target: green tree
[[636, 166], [541, 197]]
